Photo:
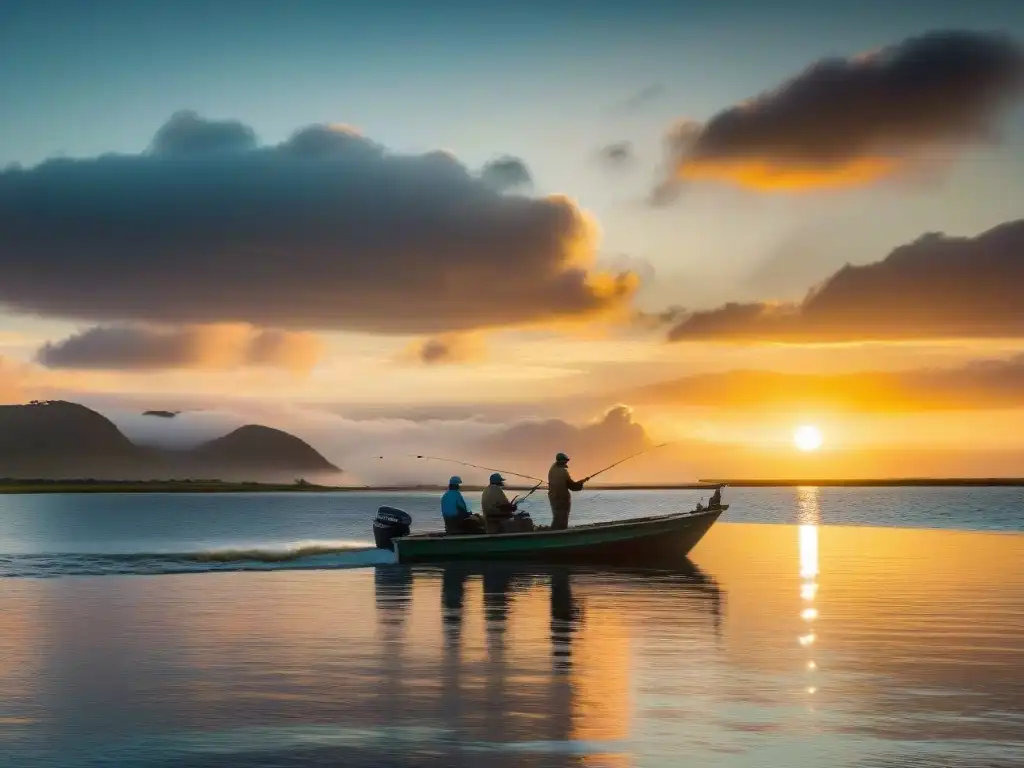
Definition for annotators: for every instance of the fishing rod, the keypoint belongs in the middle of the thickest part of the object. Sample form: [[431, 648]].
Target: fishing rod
[[620, 461], [600, 471], [475, 466], [517, 500]]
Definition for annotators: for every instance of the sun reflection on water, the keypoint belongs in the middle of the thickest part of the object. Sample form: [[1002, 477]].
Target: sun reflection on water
[[809, 515]]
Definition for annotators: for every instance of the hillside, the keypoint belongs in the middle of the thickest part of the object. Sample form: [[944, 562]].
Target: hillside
[[61, 439], [57, 439], [257, 447]]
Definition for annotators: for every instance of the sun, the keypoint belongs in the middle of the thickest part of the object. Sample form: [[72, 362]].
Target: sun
[[807, 438]]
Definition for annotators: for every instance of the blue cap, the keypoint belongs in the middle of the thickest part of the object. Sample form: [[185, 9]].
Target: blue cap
[[497, 479], [455, 480], [561, 457]]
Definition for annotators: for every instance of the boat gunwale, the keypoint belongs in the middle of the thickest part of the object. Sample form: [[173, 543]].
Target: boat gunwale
[[610, 524]]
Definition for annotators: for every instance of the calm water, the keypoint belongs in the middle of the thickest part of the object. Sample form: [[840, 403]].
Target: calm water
[[828, 638]]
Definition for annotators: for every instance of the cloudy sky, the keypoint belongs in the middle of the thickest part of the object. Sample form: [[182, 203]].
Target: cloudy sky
[[438, 223]]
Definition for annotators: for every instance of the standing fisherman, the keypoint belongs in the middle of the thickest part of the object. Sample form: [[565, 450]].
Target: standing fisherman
[[560, 483]]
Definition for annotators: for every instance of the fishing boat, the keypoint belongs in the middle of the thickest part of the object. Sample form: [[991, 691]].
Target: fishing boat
[[633, 540]]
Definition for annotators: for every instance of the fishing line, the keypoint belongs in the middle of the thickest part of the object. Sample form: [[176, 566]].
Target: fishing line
[[620, 461], [475, 466]]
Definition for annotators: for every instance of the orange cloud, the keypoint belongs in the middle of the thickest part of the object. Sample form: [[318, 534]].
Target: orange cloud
[[845, 122], [769, 175], [980, 385]]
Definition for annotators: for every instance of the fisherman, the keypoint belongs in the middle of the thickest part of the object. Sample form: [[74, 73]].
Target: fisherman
[[456, 514], [716, 499], [497, 508], [560, 483]]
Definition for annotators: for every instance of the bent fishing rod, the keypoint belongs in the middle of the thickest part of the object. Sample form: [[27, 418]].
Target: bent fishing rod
[[517, 500]]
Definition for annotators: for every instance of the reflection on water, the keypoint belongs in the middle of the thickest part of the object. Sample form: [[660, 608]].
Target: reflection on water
[[809, 511], [919, 660]]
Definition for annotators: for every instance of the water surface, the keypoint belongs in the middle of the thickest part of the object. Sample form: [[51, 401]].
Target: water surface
[[92, 534], [778, 645]]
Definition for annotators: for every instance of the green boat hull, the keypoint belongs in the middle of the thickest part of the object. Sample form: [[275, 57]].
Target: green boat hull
[[615, 542]]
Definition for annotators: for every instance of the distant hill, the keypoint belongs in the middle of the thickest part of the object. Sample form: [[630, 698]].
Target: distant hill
[[57, 439], [60, 439], [257, 447]]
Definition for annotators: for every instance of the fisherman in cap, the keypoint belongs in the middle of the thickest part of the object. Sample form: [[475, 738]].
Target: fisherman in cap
[[456, 514], [496, 506], [560, 484]]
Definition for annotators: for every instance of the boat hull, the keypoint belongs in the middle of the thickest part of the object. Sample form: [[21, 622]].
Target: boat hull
[[629, 541]]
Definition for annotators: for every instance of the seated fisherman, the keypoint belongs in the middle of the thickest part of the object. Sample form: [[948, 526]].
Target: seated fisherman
[[496, 507], [716, 499], [457, 517]]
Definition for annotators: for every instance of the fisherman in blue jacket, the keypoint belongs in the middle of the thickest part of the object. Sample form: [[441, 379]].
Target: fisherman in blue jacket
[[456, 514]]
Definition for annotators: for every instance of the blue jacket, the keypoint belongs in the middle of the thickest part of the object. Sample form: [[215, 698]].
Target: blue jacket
[[453, 505]]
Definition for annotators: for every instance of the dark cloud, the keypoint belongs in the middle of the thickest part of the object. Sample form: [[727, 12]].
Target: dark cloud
[[161, 414], [323, 141], [187, 133], [142, 348], [936, 287], [447, 350], [506, 173], [617, 154], [848, 121], [979, 385], [324, 231]]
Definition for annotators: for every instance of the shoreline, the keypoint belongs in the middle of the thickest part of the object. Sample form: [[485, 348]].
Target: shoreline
[[895, 482], [15, 486], [12, 486]]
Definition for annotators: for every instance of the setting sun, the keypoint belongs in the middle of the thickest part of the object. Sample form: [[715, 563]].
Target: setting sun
[[807, 438]]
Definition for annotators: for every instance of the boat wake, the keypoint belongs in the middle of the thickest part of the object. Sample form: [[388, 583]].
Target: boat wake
[[305, 555]]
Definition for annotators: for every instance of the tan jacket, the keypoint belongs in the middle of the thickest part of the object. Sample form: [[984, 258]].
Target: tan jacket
[[560, 483], [495, 503]]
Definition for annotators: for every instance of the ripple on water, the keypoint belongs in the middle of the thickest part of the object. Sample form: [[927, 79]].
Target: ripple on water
[[779, 645]]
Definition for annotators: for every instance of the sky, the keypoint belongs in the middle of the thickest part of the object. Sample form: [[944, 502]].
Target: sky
[[401, 225]]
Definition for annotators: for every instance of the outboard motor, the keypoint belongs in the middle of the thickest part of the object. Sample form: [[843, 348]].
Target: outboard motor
[[390, 523]]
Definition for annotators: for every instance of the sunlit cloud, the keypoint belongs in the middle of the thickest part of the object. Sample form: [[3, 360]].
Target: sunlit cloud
[[937, 287], [850, 122], [325, 231], [978, 385]]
